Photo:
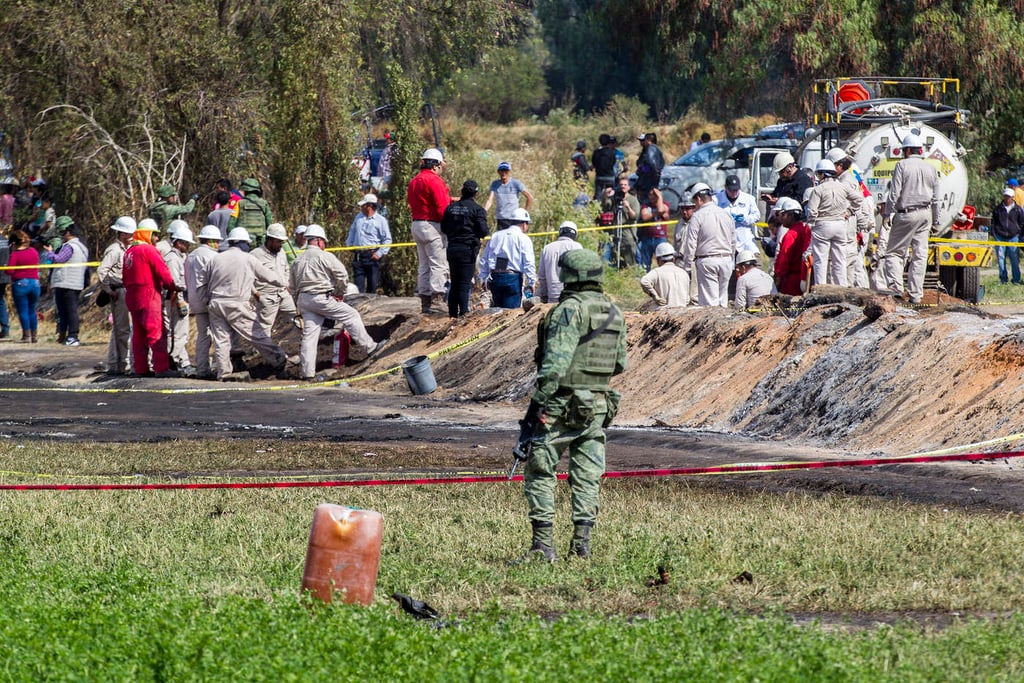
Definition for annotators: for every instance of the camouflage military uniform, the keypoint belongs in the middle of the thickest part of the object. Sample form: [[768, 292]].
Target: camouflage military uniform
[[253, 213], [163, 212], [581, 345]]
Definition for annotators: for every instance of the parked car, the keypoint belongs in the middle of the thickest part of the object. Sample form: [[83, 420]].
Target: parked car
[[782, 131], [747, 157]]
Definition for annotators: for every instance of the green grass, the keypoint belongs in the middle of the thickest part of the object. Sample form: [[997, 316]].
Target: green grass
[[204, 585]]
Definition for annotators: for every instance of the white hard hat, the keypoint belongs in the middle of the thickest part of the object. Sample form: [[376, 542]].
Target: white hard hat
[[837, 154], [825, 166], [276, 231], [182, 232], [568, 228], [664, 251], [301, 230], [1007, 191], [149, 224], [209, 232], [433, 154], [125, 224], [239, 235], [698, 188], [315, 231], [368, 199], [521, 215], [782, 160], [787, 204], [175, 225], [912, 140], [746, 256]]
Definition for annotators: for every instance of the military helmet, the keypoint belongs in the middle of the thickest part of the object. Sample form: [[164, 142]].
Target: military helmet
[[63, 223], [250, 185], [166, 191], [580, 265]]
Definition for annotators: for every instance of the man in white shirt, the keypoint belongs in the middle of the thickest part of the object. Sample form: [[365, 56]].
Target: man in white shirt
[[669, 283], [549, 287], [751, 282], [743, 209], [508, 260], [709, 247]]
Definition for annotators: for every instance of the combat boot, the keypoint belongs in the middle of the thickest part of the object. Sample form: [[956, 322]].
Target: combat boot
[[33, 336], [543, 545], [580, 543], [425, 301]]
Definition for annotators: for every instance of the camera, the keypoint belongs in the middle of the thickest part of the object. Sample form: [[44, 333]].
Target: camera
[[619, 195]]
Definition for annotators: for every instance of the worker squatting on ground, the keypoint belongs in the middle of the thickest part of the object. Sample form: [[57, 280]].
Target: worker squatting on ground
[[549, 287], [110, 276], [912, 206], [316, 277], [231, 278], [669, 283], [709, 247], [428, 197], [751, 282], [464, 225], [197, 265], [176, 306], [581, 344], [145, 277], [829, 206], [271, 298], [507, 260]]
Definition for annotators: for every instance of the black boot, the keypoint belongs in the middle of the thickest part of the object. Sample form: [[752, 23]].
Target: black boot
[[580, 543], [543, 545], [425, 301]]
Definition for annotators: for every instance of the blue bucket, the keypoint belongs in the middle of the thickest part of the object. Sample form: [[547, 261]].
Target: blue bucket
[[419, 375]]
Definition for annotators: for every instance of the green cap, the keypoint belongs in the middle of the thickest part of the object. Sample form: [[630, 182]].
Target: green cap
[[63, 223], [580, 265], [166, 191], [250, 184]]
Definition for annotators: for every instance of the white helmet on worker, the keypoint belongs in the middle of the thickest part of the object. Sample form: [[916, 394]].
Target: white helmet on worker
[[210, 232], [300, 230], [825, 167], [174, 226], [837, 154], [239, 235], [787, 204], [700, 188], [568, 228], [276, 231], [664, 252], [520, 215], [125, 224], [912, 141], [782, 161], [315, 232], [746, 257], [433, 154], [182, 232], [149, 224]]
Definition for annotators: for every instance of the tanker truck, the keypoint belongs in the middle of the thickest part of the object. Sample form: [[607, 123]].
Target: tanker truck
[[869, 117]]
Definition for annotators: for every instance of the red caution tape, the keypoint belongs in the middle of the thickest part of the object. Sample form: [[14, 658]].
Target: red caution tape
[[675, 471]]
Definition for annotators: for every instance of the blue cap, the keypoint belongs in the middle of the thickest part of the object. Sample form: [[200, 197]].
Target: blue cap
[[504, 166], [1012, 182]]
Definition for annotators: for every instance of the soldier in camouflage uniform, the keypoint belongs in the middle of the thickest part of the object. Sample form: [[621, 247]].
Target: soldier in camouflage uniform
[[581, 344], [253, 212], [166, 209]]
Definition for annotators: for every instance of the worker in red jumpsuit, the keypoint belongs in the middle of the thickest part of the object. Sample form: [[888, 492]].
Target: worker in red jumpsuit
[[145, 276]]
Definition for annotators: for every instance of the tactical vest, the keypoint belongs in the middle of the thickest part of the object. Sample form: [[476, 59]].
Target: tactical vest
[[156, 212], [601, 323], [252, 215]]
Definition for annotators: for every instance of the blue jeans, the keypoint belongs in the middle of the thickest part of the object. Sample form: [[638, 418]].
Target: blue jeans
[[25, 293], [5, 319], [646, 248], [506, 290], [1014, 255]]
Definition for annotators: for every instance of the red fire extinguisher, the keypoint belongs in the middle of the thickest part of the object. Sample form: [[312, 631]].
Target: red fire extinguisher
[[341, 345]]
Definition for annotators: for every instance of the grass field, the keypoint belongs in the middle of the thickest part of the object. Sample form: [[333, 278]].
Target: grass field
[[204, 585]]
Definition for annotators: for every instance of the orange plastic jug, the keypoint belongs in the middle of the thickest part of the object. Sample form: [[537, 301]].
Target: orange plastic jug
[[343, 554]]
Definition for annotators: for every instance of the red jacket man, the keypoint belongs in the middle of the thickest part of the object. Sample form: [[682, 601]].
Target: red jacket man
[[428, 198], [145, 276], [789, 261]]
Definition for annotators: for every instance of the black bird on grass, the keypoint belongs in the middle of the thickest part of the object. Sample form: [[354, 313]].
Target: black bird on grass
[[417, 608]]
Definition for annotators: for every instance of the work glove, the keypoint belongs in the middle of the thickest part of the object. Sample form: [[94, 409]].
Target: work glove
[[194, 196], [183, 310]]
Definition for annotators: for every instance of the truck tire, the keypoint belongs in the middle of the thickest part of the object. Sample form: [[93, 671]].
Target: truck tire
[[969, 283], [948, 278]]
